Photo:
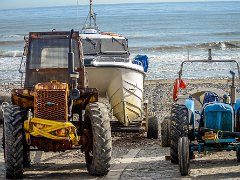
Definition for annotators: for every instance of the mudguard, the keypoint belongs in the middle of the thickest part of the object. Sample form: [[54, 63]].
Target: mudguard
[[237, 105], [189, 103]]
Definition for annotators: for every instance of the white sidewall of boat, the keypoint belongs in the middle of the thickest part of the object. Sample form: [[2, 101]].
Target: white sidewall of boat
[[122, 86]]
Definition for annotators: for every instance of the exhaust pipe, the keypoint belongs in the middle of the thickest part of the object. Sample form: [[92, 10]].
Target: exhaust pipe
[[73, 76], [233, 89]]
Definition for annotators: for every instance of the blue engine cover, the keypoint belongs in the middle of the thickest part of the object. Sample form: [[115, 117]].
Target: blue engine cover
[[219, 116]]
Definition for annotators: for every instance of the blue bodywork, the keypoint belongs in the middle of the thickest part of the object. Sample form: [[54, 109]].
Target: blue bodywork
[[237, 105], [218, 116], [189, 103]]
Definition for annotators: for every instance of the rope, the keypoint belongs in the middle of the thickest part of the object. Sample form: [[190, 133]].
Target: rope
[[212, 136], [48, 128]]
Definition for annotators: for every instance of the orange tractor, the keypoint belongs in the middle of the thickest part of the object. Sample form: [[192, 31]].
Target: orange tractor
[[55, 111]]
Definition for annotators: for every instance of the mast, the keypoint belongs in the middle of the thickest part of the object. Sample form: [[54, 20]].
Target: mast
[[90, 13], [92, 21]]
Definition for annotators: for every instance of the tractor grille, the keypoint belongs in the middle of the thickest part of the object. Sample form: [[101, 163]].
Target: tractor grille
[[51, 104]]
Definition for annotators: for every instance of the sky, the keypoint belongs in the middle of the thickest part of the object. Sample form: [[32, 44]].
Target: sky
[[12, 4]]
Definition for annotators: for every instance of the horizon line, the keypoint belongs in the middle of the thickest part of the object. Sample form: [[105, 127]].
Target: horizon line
[[164, 1]]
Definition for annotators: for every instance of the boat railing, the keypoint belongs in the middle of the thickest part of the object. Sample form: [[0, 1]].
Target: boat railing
[[111, 59], [137, 62]]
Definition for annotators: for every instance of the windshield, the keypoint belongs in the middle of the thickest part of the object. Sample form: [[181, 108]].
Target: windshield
[[91, 46], [114, 45], [51, 53]]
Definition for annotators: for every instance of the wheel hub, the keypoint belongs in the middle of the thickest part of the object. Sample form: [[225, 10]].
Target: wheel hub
[[86, 140]]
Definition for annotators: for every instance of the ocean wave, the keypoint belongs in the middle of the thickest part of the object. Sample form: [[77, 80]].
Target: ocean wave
[[227, 33], [140, 36], [212, 45], [8, 43], [12, 35], [11, 53]]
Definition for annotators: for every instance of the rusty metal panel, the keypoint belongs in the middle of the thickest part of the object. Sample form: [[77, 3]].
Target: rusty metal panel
[[53, 34], [51, 101], [87, 95], [23, 98], [47, 145]]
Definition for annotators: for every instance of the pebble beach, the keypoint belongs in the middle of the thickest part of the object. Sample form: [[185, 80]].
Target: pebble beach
[[134, 156], [158, 93]]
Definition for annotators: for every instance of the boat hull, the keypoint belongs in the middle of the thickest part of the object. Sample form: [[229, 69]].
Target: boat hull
[[122, 86]]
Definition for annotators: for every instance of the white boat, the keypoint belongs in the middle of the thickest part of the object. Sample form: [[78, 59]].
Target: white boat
[[110, 70]]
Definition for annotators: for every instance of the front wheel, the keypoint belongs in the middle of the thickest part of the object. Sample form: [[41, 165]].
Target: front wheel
[[179, 128], [98, 132], [153, 127], [165, 132], [183, 155], [13, 141]]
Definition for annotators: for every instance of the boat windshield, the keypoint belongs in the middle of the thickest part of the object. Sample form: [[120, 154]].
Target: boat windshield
[[91, 46], [51, 53], [114, 46]]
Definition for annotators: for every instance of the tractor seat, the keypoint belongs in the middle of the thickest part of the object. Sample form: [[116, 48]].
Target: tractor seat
[[210, 97]]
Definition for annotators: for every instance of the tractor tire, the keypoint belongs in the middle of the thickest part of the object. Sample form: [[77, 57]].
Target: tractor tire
[[238, 155], [238, 120], [165, 132], [183, 155], [13, 141], [1, 115], [26, 153], [3, 141], [179, 128], [97, 127], [153, 127]]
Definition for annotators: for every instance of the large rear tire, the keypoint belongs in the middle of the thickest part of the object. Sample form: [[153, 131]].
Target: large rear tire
[[97, 129], [179, 128], [238, 154], [3, 141], [153, 127], [165, 132], [13, 141], [183, 155]]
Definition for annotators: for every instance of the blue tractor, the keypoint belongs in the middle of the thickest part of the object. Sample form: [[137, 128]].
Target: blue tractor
[[215, 126]]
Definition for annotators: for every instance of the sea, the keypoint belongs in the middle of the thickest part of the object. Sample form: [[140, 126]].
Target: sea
[[168, 33]]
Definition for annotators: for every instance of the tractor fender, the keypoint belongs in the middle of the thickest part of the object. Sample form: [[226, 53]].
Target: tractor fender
[[189, 103], [237, 105]]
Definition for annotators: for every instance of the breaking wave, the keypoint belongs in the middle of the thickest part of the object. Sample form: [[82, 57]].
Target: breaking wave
[[212, 45], [11, 43], [11, 53], [12, 36], [236, 33]]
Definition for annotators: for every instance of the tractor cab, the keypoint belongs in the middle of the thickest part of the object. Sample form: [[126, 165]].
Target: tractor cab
[[47, 58]]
